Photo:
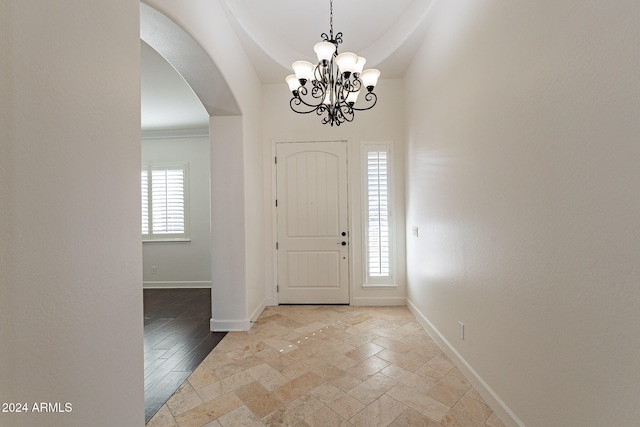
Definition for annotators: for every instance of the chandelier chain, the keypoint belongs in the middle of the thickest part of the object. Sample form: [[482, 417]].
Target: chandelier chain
[[331, 18]]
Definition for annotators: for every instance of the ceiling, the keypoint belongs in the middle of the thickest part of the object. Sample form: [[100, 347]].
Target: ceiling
[[275, 33]]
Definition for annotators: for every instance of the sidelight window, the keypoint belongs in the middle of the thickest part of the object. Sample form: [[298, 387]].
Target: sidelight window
[[377, 200]]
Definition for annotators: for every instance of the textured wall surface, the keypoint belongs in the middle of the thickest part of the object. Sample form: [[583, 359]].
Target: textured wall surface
[[69, 213], [523, 180]]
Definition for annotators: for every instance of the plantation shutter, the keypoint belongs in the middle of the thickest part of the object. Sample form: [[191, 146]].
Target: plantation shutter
[[167, 188], [144, 181], [377, 233], [164, 203]]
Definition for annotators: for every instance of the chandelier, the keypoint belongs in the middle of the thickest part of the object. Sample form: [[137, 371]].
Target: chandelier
[[332, 86]]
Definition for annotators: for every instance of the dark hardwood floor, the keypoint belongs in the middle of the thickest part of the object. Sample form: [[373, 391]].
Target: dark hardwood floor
[[176, 340]]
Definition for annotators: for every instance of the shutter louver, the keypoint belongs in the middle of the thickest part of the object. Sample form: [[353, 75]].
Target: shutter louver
[[164, 203], [144, 181], [167, 187], [378, 215]]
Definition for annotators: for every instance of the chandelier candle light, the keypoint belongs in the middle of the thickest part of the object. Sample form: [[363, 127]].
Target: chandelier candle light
[[331, 87]]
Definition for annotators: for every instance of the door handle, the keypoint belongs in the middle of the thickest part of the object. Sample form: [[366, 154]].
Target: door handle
[[342, 243]]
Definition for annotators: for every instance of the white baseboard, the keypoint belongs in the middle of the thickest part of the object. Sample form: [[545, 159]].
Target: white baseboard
[[217, 325], [379, 301], [175, 285], [258, 311], [507, 416], [229, 325]]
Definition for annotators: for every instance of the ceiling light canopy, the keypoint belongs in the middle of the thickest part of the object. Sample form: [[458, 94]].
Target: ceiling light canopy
[[331, 87]]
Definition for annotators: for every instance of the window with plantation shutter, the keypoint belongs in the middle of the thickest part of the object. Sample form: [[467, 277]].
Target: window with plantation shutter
[[164, 203], [378, 228]]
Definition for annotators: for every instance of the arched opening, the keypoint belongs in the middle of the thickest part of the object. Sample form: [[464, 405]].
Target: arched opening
[[160, 35]]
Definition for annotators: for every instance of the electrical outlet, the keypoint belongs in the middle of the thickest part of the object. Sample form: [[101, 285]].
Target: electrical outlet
[[154, 269], [461, 330]]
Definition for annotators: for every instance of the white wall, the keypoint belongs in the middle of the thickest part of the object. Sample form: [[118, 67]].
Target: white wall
[[523, 180], [207, 23], [71, 295], [383, 123], [228, 231], [182, 264]]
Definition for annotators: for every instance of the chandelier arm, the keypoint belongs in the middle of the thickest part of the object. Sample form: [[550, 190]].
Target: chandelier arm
[[317, 92], [346, 112], [369, 97], [296, 103]]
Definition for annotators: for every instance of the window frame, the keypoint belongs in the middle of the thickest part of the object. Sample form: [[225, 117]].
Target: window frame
[[165, 237], [370, 280]]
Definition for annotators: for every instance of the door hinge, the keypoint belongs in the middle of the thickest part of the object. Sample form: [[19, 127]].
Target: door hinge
[[277, 288], [276, 203], [276, 246], [275, 159]]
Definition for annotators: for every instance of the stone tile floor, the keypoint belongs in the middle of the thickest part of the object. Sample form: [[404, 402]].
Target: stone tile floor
[[327, 366]]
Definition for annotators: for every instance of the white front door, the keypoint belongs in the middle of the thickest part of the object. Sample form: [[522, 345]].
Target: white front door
[[313, 236]]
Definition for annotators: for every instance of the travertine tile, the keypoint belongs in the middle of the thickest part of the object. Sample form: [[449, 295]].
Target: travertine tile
[[456, 381], [436, 368], [363, 352], [300, 368], [294, 412], [467, 412], [472, 393], [346, 382], [379, 413], [341, 365], [297, 387], [251, 391], [357, 339], [443, 394], [241, 417], [162, 418], [202, 376], [408, 328], [311, 328], [184, 399], [413, 418], [393, 345], [450, 388], [368, 367], [210, 392], [346, 406], [416, 382], [210, 411], [373, 388], [328, 371], [268, 377], [338, 360], [420, 402], [280, 345], [326, 393], [404, 360], [325, 417], [335, 344], [234, 381], [426, 348], [494, 421]]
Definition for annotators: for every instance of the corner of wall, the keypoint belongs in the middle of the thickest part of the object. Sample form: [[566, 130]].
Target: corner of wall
[[506, 415]]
